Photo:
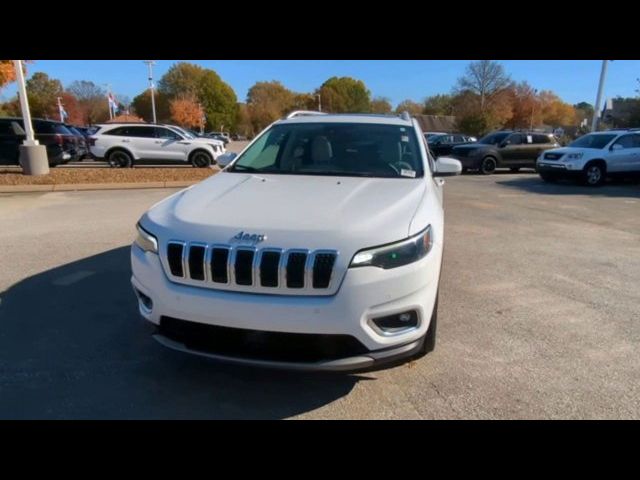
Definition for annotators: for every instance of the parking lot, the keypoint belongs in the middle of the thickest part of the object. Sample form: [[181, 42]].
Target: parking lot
[[539, 316]]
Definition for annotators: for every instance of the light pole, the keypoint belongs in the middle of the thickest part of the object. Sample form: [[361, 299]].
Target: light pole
[[33, 156], [533, 107], [150, 64], [108, 85], [319, 102], [596, 112]]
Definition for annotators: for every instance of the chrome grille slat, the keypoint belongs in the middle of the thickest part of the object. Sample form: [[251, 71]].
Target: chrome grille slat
[[311, 271]]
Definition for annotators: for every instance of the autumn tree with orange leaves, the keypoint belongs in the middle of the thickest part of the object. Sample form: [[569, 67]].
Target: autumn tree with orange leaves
[[186, 112]]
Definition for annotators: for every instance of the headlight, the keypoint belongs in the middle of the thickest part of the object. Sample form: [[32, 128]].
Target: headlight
[[574, 156], [146, 241], [396, 254]]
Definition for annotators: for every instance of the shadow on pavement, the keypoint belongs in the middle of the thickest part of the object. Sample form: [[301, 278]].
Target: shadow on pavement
[[72, 345], [613, 188]]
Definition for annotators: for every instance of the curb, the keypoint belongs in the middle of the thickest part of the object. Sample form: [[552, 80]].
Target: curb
[[71, 187]]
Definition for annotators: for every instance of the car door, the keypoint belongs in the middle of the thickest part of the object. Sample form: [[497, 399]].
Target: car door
[[621, 153], [510, 150], [141, 140], [170, 145], [634, 164]]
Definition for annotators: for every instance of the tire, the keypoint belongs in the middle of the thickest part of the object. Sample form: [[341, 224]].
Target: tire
[[548, 178], [120, 159], [429, 342], [201, 159], [488, 166], [594, 174], [515, 169], [465, 169]]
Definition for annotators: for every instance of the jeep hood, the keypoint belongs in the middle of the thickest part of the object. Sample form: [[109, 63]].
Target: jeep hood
[[292, 211]]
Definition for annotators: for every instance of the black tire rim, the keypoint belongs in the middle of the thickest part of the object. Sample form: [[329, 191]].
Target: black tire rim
[[201, 160], [594, 175], [488, 165]]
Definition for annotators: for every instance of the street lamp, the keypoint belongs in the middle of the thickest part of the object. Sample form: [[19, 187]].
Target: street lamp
[[596, 112], [319, 103], [33, 156], [533, 107], [150, 64]]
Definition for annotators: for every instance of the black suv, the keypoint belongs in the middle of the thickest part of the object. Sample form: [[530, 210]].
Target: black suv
[[504, 149], [441, 145], [61, 144]]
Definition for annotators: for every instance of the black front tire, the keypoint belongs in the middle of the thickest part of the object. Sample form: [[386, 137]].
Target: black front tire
[[120, 159], [488, 166], [201, 159]]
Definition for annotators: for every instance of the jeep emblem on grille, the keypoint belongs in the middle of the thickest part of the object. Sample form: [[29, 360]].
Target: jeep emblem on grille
[[247, 237]]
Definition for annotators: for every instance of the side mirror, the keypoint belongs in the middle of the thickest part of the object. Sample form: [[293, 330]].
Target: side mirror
[[504, 144], [226, 158], [447, 167], [616, 146]]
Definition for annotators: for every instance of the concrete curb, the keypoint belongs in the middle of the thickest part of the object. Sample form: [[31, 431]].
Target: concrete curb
[[70, 187]]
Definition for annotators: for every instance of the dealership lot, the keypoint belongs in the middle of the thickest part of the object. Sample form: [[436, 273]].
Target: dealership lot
[[539, 317]]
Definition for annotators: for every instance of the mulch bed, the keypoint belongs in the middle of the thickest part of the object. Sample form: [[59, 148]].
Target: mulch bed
[[59, 176]]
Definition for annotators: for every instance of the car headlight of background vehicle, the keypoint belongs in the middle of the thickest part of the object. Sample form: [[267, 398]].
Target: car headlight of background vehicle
[[146, 241], [396, 254], [573, 156]]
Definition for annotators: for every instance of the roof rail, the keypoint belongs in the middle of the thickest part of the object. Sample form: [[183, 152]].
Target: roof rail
[[303, 113], [405, 116]]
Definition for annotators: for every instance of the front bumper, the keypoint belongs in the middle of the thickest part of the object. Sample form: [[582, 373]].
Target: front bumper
[[365, 293], [558, 169]]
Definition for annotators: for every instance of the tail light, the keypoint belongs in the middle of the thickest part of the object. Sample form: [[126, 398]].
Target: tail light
[[59, 139], [91, 141]]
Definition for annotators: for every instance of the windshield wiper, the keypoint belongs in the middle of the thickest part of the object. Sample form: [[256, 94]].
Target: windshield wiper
[[244, 168]]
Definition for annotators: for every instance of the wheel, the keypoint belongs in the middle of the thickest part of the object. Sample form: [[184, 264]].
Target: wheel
[[548, 178], [515, 169], [201, 159], [594, 174], [120, 159], [488, 165], [465, 169]]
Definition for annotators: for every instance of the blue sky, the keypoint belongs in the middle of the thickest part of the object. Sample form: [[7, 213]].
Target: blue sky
[[572, 80]]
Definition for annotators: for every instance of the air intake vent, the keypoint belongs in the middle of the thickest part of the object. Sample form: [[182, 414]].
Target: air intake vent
[[295, 269], [196, 262], [219, 259], [269, 269], [174, 257], [244, 267], [322, 269]]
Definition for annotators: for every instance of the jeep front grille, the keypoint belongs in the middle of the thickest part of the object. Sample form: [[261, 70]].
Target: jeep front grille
[[245, 268]]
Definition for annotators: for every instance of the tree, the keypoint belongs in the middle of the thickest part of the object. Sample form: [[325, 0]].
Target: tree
[[8, 71], [345, 95], [181, 79], [438, 105], [141, 105], [525, 106], [410, 106], [584, 111], [92, 101], [269, 101], [243, 121], [75, 115], [186, 112], [555, 112], [43, 93], [381, 105], [485, 78]]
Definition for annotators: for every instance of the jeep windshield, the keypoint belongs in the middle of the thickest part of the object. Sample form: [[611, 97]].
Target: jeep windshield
[[597, 141], [334, 149], [494, 138]]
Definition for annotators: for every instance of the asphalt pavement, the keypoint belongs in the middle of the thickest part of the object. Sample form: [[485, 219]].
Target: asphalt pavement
[[539, 317]]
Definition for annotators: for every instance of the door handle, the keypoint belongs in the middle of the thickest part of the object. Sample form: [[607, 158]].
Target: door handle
[[126, 141], [158, 141], [184, 143]]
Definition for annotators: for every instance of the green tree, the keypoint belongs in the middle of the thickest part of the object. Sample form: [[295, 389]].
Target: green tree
[[141, 105], [269, 101], [414, 108], [181, 79], [381, 105], [345, 95], [43, 93], [438, 105]]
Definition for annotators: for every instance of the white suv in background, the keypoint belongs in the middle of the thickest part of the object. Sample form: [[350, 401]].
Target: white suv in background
[[123, 144], [592, 157], [318, 247]]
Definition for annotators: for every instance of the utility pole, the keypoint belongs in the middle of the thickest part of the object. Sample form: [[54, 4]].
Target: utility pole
[[596, 112], [533, 107], [319, 103], [150, 64], [33, 156], [108, 85]]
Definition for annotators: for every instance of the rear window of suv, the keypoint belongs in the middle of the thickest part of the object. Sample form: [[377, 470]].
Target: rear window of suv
[[41, 127]]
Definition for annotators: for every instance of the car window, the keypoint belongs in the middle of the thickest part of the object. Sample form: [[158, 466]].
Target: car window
[[514, 139], [337, 149], [165, 133], [627, 141], [118, 132], [541, 139], [636, 140], [458, 139]]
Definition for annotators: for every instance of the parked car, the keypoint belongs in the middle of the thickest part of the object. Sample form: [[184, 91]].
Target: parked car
[[124, 144], [82, 147], [58, 140], [319, 247], [504, 149], [220, 138], [218, 144], [236, 137], [441, 145], [428, 135], [592, 157]]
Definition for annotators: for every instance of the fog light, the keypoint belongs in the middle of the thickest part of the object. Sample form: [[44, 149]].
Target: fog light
[[396, 323], [145, 301]]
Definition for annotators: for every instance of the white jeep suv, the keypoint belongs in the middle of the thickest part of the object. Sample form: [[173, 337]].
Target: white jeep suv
[[592, 157], [123, 144], [319, 247]]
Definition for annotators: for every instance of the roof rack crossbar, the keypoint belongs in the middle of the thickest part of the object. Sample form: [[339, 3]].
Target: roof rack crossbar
[[302, 113]]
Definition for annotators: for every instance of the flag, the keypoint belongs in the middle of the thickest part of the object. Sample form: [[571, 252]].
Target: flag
[[62, 111], [113, 105]]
